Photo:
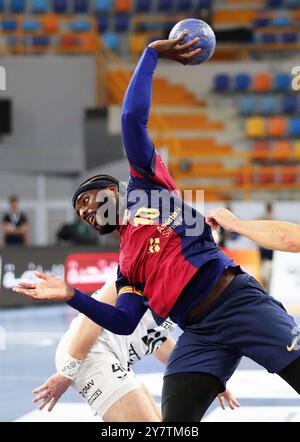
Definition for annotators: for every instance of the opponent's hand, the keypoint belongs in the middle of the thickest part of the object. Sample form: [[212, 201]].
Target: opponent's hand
[[51, 391], [223, 218], [51, 289], [227, 398], [171, 49]]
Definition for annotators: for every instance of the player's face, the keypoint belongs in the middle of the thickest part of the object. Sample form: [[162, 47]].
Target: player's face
[[99, 208]]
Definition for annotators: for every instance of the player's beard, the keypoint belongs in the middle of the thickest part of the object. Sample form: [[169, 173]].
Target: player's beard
[[109, 214]]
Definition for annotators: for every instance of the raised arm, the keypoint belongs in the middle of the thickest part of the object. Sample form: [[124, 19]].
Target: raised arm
[[135, 112], [137, 102], [277, 235]]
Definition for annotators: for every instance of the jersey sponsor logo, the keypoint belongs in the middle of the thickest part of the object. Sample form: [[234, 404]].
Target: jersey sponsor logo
[[119, 371], [94, 396], [171, 223], [132, 356], [295, 345], [153, 340], [87, 388], [154, 246], [145, 216]]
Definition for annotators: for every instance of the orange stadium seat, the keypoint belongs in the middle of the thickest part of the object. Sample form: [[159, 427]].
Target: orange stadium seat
[[262, 82], [265, 176], [282, 150], [260, 150], [289, 175], [69, 41], [242, 16], [123, 5], [276, 126], [138, 42], [297, 149], [255, 127], [50, 23]]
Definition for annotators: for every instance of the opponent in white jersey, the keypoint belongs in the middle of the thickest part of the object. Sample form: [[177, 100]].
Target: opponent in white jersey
[[98, 365], [105, 375]]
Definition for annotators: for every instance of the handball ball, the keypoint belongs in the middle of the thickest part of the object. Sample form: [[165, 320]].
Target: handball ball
[[196, 28]]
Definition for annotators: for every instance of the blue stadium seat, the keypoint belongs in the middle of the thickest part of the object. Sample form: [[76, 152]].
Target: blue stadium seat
[[221, 83], [289, 37], [17, 6], [9, 25], [289, 104], [80, 26], [294, 127], [41, 40], [267, 105], [122, 21], [247, 105], [112, 40], [282, 81], [204, 4], [39, 6], [184, 5], [12, 40], [242, 82], [81, 6], [102, 22], [31, 25], [164, 5], [103, 5], [274, 3], [1, 5], [261, 22], [60, 6], [142, 5], [281, 21], [292, 3], [268, 38]]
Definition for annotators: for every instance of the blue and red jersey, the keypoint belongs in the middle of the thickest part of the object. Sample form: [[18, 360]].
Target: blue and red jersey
[[168, 258], [159, 252]]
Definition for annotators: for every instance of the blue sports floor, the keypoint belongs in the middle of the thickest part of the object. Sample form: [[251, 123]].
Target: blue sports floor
[[31, 336]]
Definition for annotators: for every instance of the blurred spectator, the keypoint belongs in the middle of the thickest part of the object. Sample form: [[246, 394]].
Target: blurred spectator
[[266, 254], [14, 224], [77, 233]]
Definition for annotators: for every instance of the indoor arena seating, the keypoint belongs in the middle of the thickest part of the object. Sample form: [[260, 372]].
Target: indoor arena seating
[[269, 111], [179, 122], [132, 24]]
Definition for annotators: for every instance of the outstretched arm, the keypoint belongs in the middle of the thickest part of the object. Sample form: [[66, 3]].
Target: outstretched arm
[[277, 235], [137, 102], [121, 319]]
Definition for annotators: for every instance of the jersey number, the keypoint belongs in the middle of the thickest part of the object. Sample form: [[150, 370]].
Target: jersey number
[[145, 216]]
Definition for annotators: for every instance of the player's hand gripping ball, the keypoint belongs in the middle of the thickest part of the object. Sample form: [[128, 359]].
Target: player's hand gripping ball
[[196, 28]]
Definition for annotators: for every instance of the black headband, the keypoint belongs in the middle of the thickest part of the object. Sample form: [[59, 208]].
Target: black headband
[[99, 184]]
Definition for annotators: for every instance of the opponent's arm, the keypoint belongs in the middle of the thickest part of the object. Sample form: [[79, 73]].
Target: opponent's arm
[[137, 102], [85, 337], [164, 351], [278, 235]]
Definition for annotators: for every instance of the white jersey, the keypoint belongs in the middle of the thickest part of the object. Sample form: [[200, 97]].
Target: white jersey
[[146, 338]]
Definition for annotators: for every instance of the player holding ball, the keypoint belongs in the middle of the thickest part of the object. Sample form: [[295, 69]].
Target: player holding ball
[[173, 266]]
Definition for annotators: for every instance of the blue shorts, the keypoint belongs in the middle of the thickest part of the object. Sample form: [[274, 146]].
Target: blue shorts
[[243, 321]]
